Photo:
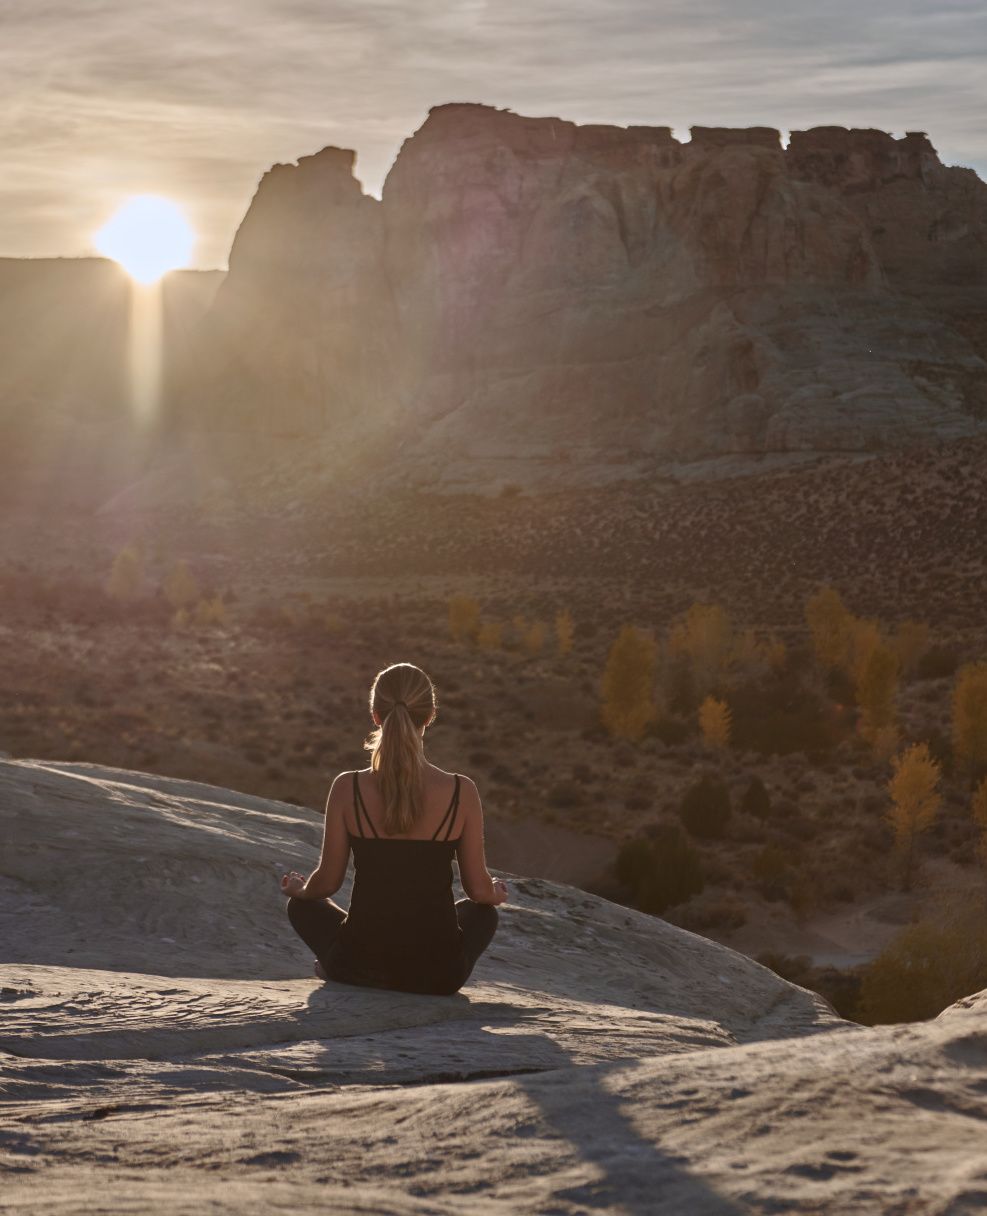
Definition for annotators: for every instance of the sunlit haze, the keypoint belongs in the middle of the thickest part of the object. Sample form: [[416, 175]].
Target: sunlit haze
[[148, 236]]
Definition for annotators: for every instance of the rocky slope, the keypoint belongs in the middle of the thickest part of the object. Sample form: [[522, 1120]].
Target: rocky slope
[[537, 300], [162, 1050]]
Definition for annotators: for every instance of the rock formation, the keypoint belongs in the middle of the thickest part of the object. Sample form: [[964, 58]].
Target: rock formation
[[595, 301], [163, 1047]]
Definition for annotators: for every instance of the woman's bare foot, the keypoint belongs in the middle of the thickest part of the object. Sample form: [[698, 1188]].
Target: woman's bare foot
[[318, 969]]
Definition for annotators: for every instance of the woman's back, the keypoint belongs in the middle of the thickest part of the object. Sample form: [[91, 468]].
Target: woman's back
[[402, 919]]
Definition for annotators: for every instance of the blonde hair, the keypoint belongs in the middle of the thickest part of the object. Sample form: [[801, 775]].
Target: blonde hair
[[404, 699]]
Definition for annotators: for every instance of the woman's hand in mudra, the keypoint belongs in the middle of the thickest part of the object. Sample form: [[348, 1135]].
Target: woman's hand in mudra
[[500, 890], [292, 884]]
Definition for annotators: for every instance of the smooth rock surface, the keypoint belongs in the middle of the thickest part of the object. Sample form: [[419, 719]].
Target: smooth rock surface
[[163, 1049]]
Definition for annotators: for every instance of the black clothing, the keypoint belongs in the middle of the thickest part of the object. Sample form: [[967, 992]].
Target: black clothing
[[317, 923], [403, 929]]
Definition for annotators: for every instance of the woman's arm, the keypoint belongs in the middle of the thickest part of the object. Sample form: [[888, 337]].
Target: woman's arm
[[328, 875], [473, 872]]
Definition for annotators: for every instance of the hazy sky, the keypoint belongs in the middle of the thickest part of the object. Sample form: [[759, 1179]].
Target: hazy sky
[[106, 98]]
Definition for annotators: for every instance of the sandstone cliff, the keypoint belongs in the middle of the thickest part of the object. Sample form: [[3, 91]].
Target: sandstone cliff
[[592, 301], [163, 1049]]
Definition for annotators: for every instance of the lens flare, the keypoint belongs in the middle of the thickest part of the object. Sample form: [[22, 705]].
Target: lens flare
[[148, 236]]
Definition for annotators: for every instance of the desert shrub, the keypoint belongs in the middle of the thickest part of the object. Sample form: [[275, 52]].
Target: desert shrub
[[681, 692], [776, 716], [668, 729], [769, 867], [756, 800], [659, 869], [928, 966], [937, 663], [705, 808], [911, 642], [941, 750], [565, 793], [840, 988], [505, 775]]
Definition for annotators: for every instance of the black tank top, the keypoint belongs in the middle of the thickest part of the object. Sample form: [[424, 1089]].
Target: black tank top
[[401, 930]]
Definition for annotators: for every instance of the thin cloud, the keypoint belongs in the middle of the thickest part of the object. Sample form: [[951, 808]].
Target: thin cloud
[[114, 97]]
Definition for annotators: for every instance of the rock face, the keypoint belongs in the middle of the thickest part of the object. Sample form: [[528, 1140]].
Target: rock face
[[162, 1048], [596, 300]]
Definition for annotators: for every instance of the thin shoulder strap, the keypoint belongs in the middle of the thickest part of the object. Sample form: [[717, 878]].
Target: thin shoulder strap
[[452, 807], [357, 805]]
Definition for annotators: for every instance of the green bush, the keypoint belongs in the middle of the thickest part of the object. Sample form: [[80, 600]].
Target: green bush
[[659, 869], [705, 808]]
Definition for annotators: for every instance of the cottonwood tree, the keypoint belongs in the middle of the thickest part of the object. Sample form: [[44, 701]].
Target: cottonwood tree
[[464, 617], [829, 622], [126, 579], [628, 684], [564, 631], [970, 716], [180, 588], [705, 635], [915, 802], [876, 688], [488, 636], [714, 722]]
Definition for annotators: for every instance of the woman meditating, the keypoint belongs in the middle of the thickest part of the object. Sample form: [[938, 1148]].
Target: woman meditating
[[404, 818]]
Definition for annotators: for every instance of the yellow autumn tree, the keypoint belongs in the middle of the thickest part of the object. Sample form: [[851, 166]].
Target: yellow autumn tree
[[705, 635], [180, 588], [464, 617], [915, 802], [970, 715], [210, 611], [877, 687], [714, 722], [829, 622], [127, 575], [565, 631], [488, 636], [628, 684], [865, 638]]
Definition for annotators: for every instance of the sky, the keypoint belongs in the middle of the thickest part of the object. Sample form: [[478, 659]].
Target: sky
[[102, 99]]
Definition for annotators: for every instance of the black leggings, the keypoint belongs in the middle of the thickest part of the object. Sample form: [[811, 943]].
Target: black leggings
[[317, 921]]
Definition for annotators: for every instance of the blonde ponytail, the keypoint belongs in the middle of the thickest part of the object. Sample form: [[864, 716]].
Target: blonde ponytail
[[404, 699]]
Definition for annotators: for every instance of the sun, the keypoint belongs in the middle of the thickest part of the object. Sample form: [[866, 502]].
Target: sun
[[148, 236]]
